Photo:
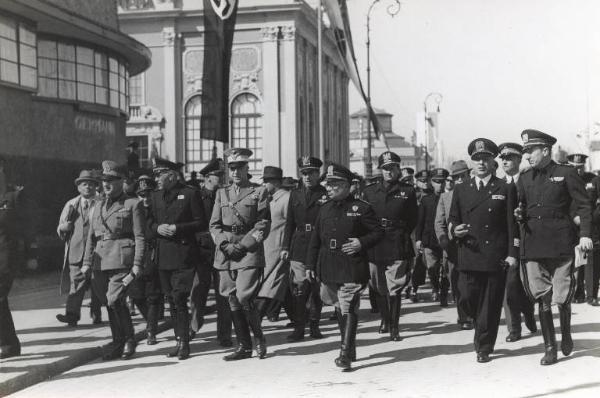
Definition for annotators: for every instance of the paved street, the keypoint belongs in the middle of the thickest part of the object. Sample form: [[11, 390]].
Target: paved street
[[434, 359]]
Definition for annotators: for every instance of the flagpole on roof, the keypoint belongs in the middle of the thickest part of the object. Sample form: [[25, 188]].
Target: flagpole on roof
[[320, 79]]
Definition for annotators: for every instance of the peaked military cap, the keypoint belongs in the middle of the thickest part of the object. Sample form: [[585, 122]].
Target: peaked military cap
[[237, 155], [112, 171], [272, 173], [533, 138], [482, 146], [510, 148], [213, 168], [409, 171], [338, 172], [289, 182], [159, 165], [439, 174], [577, 159], [357, 177], [422, 175], [309, 162], [388, 157], [459, 167]]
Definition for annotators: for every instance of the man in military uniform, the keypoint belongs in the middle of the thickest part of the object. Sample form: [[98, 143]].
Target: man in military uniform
[[239, 223], [408, 175], [73, 226], [426, 240], [587, 273], [115, 248], [303, 207], [481, 219], [459, 173], [207, 276], [395, 205], [516, 301], [177, 215], [546, 192]]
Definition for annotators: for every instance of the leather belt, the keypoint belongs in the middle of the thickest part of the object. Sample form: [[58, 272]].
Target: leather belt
[[235, 229], [388, 224], [305, 227], [109, 236], [333, 244]]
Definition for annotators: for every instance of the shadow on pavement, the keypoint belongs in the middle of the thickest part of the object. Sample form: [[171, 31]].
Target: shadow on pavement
[[559, 391], [113, 369]]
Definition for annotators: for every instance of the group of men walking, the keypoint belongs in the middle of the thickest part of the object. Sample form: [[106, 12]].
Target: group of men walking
[[486, 240]]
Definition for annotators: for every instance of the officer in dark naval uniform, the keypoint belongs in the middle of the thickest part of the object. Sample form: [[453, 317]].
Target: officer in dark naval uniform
[[303, 207], [482, 220], [337, 254], [546, 192], [177, 215], [516, 301], [586, 273], [395, 205]]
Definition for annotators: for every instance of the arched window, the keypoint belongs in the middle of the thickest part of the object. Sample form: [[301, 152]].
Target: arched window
[[198, 151], [246, 127]]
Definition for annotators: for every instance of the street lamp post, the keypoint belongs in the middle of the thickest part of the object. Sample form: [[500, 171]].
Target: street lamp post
[[438, 99], [392, 10]]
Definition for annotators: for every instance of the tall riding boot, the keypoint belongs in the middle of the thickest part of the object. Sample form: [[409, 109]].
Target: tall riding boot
[[373, 300], [344, 361], [316, 305], [223, 321], [173, 311], [114, 349], [262, 305], [395, 305], [300, 298], [127, 329], [142, 306], [384, 310], [444, 287], [434, 279], [566, 342], [254, 320], [547, 325], [183, 325], [151, 323], [242, 334]]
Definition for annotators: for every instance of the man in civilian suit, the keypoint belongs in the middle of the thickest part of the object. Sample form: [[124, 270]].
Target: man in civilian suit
[[481, 219]]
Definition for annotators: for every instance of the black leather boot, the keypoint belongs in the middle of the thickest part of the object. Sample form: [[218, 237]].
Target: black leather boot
[[126, 326], [384, 311], [254, 320], [344, 361], [151, 324], [114, 349], [173, 311], [183, 325], [315, 307], [315, 332], [242, 334], [547, 325], [566, 342], [300, 299], [395, 305]]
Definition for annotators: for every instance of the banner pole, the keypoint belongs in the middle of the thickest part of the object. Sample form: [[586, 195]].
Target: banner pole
[[320, 79]]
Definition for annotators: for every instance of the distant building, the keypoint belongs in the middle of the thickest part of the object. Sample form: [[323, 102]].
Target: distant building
[[412, 155], [273, 84], [64, 72]]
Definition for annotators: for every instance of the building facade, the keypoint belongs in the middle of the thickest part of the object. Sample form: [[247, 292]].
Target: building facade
[[411, 154], [273, 84], [64, 71]]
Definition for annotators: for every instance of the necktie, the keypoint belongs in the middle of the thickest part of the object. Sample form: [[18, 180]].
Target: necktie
[[85, 206], [480, 188]]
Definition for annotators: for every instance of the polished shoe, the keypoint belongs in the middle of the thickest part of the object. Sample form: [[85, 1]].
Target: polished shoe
[[128, 349], [343, 362], [466, 326], [593, 302], [112, 351], [550, 357], [315, 332], [512, 337], [68, 319], [151, 338], [261, 347], [184, 351], [483, 357], [10, 351], [297, 335], [175, 351], [239, 353]]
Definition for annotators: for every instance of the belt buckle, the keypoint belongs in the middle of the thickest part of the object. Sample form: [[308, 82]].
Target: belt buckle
[[385, 223], [236, 229], [332, 244], [307, 227]]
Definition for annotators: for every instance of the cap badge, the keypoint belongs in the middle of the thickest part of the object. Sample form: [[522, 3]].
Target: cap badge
[[305, 161], [479, 146], [387, 157], [525, 138], [355, 208], [330, 170]]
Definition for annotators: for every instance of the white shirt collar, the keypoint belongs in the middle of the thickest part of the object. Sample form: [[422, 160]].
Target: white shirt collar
[[514, 178], [485, 181]]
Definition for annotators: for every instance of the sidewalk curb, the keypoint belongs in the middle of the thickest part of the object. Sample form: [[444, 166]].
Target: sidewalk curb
[[44, 372]]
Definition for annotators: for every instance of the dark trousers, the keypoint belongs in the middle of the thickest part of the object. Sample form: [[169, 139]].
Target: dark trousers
[[199, 295], [592, 275], [517, 302], [79, 285], [481, 295], [177, 284], [8, 335], [453, 272]]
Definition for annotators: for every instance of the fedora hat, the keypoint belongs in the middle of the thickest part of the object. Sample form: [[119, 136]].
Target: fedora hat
[[86, 175]]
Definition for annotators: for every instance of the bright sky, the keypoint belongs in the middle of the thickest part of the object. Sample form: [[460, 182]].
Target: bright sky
[[501, 65]]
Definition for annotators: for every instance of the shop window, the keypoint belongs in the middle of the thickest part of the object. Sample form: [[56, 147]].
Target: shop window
[[18, 64], [246, 128]]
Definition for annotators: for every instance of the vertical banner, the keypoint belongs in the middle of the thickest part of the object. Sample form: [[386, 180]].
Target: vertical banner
[[219, 27], [337, 11]]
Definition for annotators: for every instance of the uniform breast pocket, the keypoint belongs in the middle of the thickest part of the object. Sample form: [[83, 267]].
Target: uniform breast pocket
[[127, 249], [123, 219]]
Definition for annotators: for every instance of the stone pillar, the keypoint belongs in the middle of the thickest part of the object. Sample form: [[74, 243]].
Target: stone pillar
[[170, 97], [271, 68], [289, 97]]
